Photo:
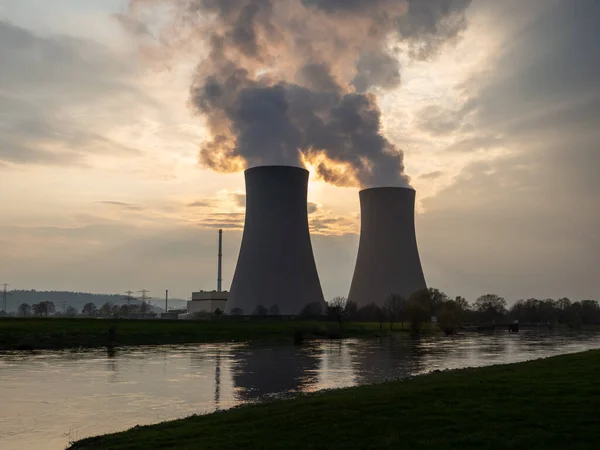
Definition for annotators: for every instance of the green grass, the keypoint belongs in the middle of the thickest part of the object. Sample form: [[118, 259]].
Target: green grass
[[51, 333], [545, 404]]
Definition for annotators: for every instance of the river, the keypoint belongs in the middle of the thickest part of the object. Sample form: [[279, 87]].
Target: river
[[50, 398]]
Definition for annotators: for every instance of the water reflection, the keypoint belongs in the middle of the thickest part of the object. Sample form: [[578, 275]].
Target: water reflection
[[260, 372], [51, 397]]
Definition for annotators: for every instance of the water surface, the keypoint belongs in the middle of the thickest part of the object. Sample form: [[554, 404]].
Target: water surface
[[50, 398]]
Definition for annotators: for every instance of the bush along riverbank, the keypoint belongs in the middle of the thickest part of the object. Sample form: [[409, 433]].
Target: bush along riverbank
[[545, 404], [53, 333]]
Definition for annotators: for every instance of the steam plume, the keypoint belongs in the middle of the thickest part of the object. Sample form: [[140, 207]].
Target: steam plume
[[289, 81]]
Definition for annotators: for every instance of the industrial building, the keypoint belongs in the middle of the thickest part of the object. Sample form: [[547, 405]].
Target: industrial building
[[209, 302], [276, 266], [388, 258]]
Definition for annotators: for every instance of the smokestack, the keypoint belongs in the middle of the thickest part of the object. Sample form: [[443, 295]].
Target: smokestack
[[220, 263], [388, 258], [276, 265]]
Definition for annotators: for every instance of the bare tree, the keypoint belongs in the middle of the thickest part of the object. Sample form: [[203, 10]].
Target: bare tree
[[89, 309], [394, 308], [313, 310], [70, 311], [24, 309], [274, 310], [340, 308], [237, 312], [260, 311]]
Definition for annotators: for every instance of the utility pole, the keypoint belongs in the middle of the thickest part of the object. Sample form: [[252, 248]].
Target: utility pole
[[144, 298], [220, 263], [129, 297], [5, 295]]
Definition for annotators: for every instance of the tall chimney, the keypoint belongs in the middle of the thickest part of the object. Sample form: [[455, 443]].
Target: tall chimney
[[276, 265], [388, 258], [220, 263]]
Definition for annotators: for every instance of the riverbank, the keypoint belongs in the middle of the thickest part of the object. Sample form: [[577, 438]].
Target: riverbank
[[57, 334], [544, 404]]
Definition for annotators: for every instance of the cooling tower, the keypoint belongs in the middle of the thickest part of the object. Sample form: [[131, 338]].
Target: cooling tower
[[276, 265], [388, 258]]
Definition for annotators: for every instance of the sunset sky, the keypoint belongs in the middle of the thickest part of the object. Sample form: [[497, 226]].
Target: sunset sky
[[102, 188]]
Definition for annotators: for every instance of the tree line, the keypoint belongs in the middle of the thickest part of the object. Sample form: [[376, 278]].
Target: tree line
[[108, 309]]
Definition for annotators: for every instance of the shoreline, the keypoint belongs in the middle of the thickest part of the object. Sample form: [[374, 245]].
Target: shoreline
[[68, 334], [542, 404]]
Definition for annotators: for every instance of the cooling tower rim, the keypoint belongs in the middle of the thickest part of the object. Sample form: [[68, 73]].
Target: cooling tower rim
[[278, 167], [389, 188]]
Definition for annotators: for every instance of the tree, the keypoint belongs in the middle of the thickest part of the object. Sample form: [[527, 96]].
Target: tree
[[50, 308], [436, 299], [218, 312], [70, 311], [274, 310], [106, 310], [89, 309], [449, 317], [370, 313], [491, 307], [312, 310], [394, 309], [260, 311], [563, 305], [145, 308], [237, 312], [44, 308], [418, 310], [24, 309], [340, 308], [462, 303]]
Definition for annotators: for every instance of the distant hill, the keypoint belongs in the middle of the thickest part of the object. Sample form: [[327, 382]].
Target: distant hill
[[77, 300]]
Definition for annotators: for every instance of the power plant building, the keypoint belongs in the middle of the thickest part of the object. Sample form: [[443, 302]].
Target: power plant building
[[276, 266], [388, 258]]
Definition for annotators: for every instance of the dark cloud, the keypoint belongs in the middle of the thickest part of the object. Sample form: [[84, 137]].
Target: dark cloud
[[313, 207], [292, 80], [430, 24]]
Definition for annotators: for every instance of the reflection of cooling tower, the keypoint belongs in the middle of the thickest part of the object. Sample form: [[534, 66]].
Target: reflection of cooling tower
[[388, 258], [276, 265]]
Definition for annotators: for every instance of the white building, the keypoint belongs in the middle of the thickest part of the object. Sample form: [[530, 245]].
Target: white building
[[205, 302]]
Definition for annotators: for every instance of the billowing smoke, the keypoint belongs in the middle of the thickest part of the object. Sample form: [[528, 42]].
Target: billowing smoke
[[288, 82]]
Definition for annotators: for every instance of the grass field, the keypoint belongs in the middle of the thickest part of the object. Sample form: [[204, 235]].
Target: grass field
[[51, 333], [545, 404]]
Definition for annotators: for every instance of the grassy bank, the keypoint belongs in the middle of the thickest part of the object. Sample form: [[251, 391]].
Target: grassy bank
[[545, 404], [51, 333]]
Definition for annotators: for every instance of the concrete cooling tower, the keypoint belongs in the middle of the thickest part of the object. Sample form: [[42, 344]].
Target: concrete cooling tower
[[388, 258], [276, 265]]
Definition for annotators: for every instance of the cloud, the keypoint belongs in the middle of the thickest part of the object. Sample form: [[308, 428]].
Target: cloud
[[327, 61], [438, 121], [52, 89], [432, 175], [524, 222], [201, 204], [123, 205]]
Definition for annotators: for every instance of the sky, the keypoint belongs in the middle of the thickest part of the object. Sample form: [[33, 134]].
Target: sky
[[103, 187]]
